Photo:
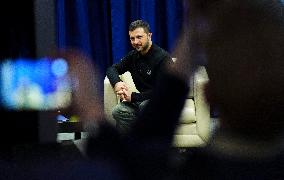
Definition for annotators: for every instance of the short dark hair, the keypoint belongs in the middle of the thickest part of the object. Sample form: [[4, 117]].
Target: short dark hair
[[139, 23]]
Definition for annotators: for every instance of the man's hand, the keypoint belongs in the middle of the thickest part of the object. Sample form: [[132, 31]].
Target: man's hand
[[120, 86], [124, 95], [127, 95], [121, 90], [121, 95]]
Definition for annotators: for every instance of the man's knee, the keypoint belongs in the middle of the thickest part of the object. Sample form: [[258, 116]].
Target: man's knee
[[116, 111], [124, 115], [121, 110]]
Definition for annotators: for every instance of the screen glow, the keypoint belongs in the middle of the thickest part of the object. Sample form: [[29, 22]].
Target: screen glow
[[40, 84]]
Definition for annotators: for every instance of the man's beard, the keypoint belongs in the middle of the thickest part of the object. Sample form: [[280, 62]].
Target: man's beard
[[146, 46], [143, 48]]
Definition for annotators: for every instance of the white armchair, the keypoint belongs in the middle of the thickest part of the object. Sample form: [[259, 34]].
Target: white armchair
[[194, 127]]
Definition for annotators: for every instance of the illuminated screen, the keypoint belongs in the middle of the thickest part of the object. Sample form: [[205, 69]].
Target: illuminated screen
[[35, 84]]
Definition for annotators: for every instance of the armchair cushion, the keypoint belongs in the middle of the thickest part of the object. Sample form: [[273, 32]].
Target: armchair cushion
[[188, 113]]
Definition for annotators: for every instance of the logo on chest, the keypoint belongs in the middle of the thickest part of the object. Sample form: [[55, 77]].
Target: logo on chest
[[145, 71]]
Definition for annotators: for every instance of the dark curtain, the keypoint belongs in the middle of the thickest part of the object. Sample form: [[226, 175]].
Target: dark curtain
[[85, 24], [17, 30], [100, 27]]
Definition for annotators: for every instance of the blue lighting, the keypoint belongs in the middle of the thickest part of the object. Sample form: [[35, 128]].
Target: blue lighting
[[39, 84], [59, 67]]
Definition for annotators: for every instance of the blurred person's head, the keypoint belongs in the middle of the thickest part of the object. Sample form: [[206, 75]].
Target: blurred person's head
[[140, 36], [86, 100], [245, 53]]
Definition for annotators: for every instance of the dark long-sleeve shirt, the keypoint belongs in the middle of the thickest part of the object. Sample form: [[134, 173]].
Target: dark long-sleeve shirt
[[143, 68]]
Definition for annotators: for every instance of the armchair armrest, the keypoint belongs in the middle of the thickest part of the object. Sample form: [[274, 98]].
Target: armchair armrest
[[110, 100], [202, 107]]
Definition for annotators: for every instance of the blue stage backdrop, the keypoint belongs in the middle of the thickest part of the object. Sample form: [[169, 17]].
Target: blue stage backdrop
[[100, 27]]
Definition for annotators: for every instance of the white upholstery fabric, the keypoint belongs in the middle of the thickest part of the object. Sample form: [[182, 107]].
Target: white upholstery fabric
[[188, 113]]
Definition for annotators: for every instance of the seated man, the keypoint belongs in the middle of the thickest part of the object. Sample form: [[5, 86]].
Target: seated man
[[144, 63]]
